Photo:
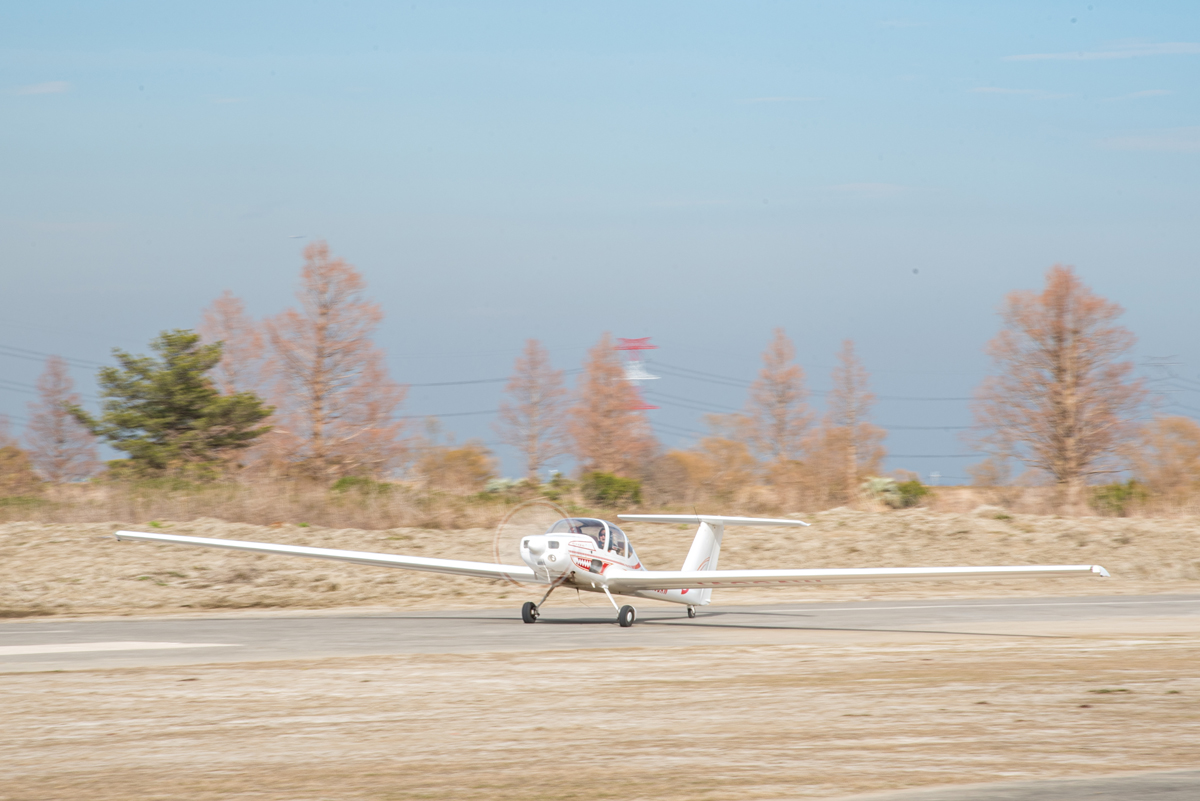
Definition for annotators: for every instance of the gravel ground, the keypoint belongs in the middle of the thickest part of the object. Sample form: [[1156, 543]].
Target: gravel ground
[[81, 570], [739, 722]]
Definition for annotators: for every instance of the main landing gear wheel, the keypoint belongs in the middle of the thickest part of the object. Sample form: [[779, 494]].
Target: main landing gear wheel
[[626, 616], [691, 611], [529, 612]]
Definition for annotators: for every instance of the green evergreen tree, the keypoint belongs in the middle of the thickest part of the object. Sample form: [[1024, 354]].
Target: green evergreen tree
[[168, 415]]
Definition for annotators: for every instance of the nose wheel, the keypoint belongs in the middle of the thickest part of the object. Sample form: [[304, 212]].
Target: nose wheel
[[691, 611], [529, 612]]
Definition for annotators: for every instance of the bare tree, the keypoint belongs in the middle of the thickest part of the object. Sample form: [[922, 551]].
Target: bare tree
[[1062, 399], [60, 447], [1167, 460], [243, 366], [609, 434], [17, 476], [848, 421], [534, 421], [338, 404], [777, 413]]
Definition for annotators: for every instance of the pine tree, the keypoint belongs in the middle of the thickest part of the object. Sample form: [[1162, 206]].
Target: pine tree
[[168, 415]]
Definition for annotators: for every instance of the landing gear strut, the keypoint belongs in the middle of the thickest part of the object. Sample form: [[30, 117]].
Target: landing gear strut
[[530, 612], [691, 611]]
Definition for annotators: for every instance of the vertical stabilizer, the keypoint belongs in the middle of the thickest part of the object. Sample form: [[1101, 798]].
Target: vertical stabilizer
[[703, 555]]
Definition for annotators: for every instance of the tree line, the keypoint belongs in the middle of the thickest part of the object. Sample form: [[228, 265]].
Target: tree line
[[305, 394]]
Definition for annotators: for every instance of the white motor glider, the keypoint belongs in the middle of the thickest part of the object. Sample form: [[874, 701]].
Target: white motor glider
[[595, 556]]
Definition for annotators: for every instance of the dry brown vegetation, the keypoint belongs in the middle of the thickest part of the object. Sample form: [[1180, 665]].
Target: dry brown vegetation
[[81, 569], [1060, 406]]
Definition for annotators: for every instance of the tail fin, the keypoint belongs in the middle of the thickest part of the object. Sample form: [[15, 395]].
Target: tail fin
[[706, 547], [703, 555]]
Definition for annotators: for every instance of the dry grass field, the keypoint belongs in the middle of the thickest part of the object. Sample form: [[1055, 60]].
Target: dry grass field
[[80, 569]]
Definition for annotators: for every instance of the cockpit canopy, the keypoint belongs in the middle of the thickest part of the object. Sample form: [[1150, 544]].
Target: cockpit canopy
[[606, 535]]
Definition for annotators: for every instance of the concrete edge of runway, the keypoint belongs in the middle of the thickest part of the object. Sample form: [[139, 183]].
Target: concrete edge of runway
[[723, 606], [1159, 785]]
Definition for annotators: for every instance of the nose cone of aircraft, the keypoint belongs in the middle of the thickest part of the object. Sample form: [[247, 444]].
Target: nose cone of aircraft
[[546, 554]]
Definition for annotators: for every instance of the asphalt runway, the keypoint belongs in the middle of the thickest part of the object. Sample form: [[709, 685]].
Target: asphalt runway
[[49, 644], [46, 644], [1166, 785]]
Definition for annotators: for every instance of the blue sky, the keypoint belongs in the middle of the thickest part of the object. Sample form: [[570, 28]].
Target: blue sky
[[695, 172]]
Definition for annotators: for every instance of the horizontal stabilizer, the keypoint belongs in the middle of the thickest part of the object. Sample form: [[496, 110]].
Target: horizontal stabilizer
[[716, 520]]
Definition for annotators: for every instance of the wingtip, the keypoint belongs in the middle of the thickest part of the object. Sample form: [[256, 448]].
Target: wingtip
[[1100, 571]]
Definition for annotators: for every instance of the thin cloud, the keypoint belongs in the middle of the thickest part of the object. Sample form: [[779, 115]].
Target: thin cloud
[[780, 99], [1132, 50], [1143, 93], [1036, 93], [47, 88], [1171, 140]]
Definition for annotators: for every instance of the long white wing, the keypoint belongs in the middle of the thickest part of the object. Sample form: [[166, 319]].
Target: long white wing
[[452, 566], [715, 519], [698, 579]]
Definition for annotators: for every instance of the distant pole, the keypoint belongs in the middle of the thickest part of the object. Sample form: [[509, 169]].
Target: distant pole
[[635, 368]]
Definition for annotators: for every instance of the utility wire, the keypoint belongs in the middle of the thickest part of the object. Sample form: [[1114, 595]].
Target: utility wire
[[682, 405], [479, 381], [737, 381], [18, 389], [713, 378], [924, 428], [716, 406], [446, 414], [17, 386], [933, 455], [24, 353], [679, 432]]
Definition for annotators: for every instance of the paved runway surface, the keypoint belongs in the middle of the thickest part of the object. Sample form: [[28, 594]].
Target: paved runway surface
[[1170, 785], [48, 644]]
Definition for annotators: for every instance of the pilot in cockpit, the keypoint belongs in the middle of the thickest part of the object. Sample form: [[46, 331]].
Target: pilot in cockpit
[[592, 528]]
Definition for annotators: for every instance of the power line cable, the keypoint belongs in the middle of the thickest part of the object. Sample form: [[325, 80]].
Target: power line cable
[[446, 414], [19, 389], [25, 353], [478, 381], [924, 428], [698, 375], [679, 432], [683, 405], [459, 383], [914, 398], [682, 372], [933, 455], [715, 406]]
